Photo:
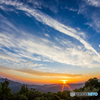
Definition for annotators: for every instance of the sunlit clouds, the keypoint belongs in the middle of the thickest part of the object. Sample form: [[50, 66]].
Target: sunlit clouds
[[40, 43]]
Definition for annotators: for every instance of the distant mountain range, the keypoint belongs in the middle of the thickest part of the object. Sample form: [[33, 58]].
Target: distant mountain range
[[16, 86]]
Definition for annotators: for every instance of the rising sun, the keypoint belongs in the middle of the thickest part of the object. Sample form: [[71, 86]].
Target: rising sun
[[64, 82]]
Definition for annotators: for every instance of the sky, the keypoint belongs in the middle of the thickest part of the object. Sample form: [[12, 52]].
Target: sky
[[50, 41]]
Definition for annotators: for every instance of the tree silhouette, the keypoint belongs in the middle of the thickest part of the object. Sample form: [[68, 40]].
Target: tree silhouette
[[26, 94], [24, 89], [92, 84], [5, 91]]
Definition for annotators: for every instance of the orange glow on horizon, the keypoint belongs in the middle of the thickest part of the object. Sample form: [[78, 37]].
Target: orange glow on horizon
[[28, 78]]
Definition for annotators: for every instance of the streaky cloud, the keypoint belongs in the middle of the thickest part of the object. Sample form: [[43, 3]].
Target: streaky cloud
[[40, 73], [45, 19]]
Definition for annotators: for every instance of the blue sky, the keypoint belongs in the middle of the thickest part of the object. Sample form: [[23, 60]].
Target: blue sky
[[50, 36]]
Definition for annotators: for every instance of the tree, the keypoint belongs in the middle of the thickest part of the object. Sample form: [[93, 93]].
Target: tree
[[5, 91], [20, 97], [92, 84], [24, 89], [41, 98]]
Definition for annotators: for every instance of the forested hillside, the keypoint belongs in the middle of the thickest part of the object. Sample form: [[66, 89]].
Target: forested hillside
[[92, 85]]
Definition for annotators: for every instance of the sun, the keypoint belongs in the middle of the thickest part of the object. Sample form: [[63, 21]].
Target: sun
[[64, 82]]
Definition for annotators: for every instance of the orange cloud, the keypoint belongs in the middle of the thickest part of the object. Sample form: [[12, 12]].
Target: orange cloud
[[33, 76], [40, 73]]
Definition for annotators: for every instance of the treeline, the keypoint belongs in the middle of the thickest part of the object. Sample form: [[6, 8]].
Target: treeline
[[92, 85]]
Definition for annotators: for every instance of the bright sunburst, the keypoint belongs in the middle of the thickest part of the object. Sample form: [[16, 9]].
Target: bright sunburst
[[64, 82]]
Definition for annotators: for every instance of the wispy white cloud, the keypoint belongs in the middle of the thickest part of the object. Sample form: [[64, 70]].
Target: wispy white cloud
[[8, 57], [4, 8], [82, 34], [95, 23], [95, 3], [45, 19], [47, 35], [46, 50], [71, 9], [91, 14], [13, 62], [9, 24], [45, 4]]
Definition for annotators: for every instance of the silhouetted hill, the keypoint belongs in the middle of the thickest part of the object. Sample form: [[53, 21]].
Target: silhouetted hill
[[16, 86]]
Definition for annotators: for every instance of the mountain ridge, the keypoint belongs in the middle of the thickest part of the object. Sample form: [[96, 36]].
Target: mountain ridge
[[16, 86]]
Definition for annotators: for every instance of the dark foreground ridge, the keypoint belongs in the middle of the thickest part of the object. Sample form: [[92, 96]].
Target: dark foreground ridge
[[33, 92]]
